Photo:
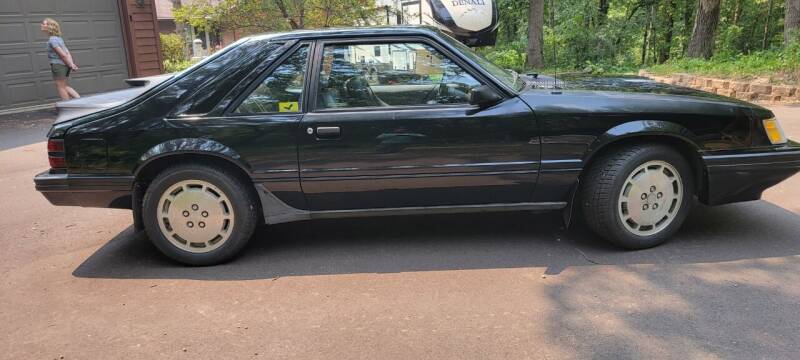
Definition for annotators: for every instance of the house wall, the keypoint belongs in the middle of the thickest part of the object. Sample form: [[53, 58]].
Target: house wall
[[141, 37]]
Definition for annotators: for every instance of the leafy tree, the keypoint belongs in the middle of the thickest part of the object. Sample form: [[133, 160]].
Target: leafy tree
[[254, 16]]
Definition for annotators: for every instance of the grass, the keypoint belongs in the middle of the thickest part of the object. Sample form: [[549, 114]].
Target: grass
[[777, 66]]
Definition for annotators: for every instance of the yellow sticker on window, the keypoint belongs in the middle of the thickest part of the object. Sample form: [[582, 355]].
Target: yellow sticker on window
[[288, 106]]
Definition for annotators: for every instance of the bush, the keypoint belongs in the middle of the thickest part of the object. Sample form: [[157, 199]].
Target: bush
[[508, 59], [176, 66], [173, 51], [779, 65]]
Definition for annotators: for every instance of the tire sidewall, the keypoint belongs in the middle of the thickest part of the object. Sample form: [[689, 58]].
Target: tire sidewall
[[241, 203], [625, 238]]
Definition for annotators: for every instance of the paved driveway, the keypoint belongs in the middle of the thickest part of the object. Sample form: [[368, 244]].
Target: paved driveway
[[78, 283]]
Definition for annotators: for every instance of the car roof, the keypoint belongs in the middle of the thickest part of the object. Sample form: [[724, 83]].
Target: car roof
[[397, 30]]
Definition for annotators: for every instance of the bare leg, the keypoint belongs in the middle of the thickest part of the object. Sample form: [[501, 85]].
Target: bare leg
[[72, 93], [61, 87]]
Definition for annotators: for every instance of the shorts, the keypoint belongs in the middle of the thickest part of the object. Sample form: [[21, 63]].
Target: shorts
[[60, 71]]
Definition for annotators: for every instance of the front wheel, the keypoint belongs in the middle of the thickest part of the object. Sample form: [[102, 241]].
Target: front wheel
[[638, 196], [199, 215]]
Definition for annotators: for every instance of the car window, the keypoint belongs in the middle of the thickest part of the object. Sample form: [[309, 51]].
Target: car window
[[282, 90], [390, 74]]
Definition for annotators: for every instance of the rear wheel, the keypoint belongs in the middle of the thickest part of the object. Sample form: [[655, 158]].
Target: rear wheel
[[199, 215], [638, 196]]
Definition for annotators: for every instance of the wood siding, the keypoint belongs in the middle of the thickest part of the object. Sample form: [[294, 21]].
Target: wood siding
[[141, 37]]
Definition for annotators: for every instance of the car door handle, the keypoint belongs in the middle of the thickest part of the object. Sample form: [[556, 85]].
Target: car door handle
[[328, 132]]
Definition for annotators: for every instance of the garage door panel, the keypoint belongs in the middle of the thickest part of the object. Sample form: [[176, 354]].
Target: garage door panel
[[109, 81], [42, 7], [104, 6], [23, 92], [16, 64], [106, 30], [76, 7], [12, 33], [111, 56], [85, 58], [10, 7], [77, 30]]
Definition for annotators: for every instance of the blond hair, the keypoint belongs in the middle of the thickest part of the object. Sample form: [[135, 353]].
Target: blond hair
[[53, 28]]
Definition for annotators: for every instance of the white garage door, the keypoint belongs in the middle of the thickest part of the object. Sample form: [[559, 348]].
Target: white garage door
[[92, 33]]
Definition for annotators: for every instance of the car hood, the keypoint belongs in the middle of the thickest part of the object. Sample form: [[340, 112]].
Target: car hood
[[72, 109], [630, 94]]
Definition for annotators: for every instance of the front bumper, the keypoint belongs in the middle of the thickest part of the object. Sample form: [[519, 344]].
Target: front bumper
[[85, 190], [744, 176]]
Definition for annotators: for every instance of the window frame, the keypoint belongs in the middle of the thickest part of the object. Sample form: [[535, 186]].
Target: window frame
[[245, 93], [374, 40]]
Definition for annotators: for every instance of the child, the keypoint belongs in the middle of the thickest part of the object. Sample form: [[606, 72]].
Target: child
[[61, 63]]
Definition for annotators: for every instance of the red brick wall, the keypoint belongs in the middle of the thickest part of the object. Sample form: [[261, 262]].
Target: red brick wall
[[140, 28]]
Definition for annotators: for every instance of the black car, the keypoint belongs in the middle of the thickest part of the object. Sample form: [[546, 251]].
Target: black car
[[293, 126]]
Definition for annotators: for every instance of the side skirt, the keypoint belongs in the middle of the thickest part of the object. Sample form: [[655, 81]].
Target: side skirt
[[276, 211]]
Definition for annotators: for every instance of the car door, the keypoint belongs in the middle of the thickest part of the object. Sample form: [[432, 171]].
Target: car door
[[261, 124], [390, 126]]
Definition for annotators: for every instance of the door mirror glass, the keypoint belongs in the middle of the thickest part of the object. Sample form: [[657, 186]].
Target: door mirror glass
[[484, 96]]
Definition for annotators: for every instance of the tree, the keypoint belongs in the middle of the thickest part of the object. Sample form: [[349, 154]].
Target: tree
[[765, 41], [705, 28], [602, 12], [252, 16], [535, 34], [671, 8], [791, 21]]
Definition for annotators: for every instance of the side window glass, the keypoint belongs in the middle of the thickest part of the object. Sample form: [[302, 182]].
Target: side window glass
[[390, 74], [282, 90]]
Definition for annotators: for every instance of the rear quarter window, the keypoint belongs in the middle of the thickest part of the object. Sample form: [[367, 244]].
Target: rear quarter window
[[203, 88]]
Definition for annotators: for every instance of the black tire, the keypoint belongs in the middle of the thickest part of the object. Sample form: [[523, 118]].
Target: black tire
[[242, 199], [604, 182]]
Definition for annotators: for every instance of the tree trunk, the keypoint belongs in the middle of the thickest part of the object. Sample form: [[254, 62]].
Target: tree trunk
[[687, 25], [737, 12], [792, 22], [535, 34], [765, 41], [672, 8], [602, 12], [644, 40], [705, 27]]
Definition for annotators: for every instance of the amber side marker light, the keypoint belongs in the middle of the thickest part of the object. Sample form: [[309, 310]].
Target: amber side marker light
[[774, 131]]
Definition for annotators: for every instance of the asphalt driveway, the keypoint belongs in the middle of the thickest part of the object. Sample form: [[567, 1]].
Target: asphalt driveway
[[79, 283]]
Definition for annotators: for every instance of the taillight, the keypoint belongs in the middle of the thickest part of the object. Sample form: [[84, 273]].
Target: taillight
[[55, 153]]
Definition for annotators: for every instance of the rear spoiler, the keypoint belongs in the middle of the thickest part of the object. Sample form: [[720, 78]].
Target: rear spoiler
[[144, 81]]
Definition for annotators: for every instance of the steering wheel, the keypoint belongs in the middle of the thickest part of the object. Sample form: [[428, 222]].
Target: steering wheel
[[356, 85], [435, 93]]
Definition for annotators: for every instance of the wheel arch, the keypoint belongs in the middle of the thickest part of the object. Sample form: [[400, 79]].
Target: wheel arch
[[201, 151], [651, 131], [645, 131]]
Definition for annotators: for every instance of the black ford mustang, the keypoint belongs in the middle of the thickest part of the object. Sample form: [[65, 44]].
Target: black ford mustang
[[400, 120]]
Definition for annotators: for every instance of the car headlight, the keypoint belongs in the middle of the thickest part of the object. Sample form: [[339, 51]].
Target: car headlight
[[774, 131]]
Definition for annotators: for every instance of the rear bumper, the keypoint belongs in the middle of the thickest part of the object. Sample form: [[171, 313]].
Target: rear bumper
[[86, 191], [744, 176]]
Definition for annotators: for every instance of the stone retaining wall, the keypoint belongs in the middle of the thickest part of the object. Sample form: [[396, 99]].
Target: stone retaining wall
[[748, 91]]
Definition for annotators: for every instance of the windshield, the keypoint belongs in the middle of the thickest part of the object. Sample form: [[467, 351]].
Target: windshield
[[510, 78]]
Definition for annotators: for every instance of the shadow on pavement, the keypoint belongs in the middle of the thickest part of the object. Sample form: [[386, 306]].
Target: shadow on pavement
[[453, 242]]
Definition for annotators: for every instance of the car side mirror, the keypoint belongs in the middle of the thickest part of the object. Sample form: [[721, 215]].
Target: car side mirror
[[483, 96]]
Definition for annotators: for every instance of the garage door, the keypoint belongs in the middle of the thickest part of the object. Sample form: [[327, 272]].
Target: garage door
[[93, 35]]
